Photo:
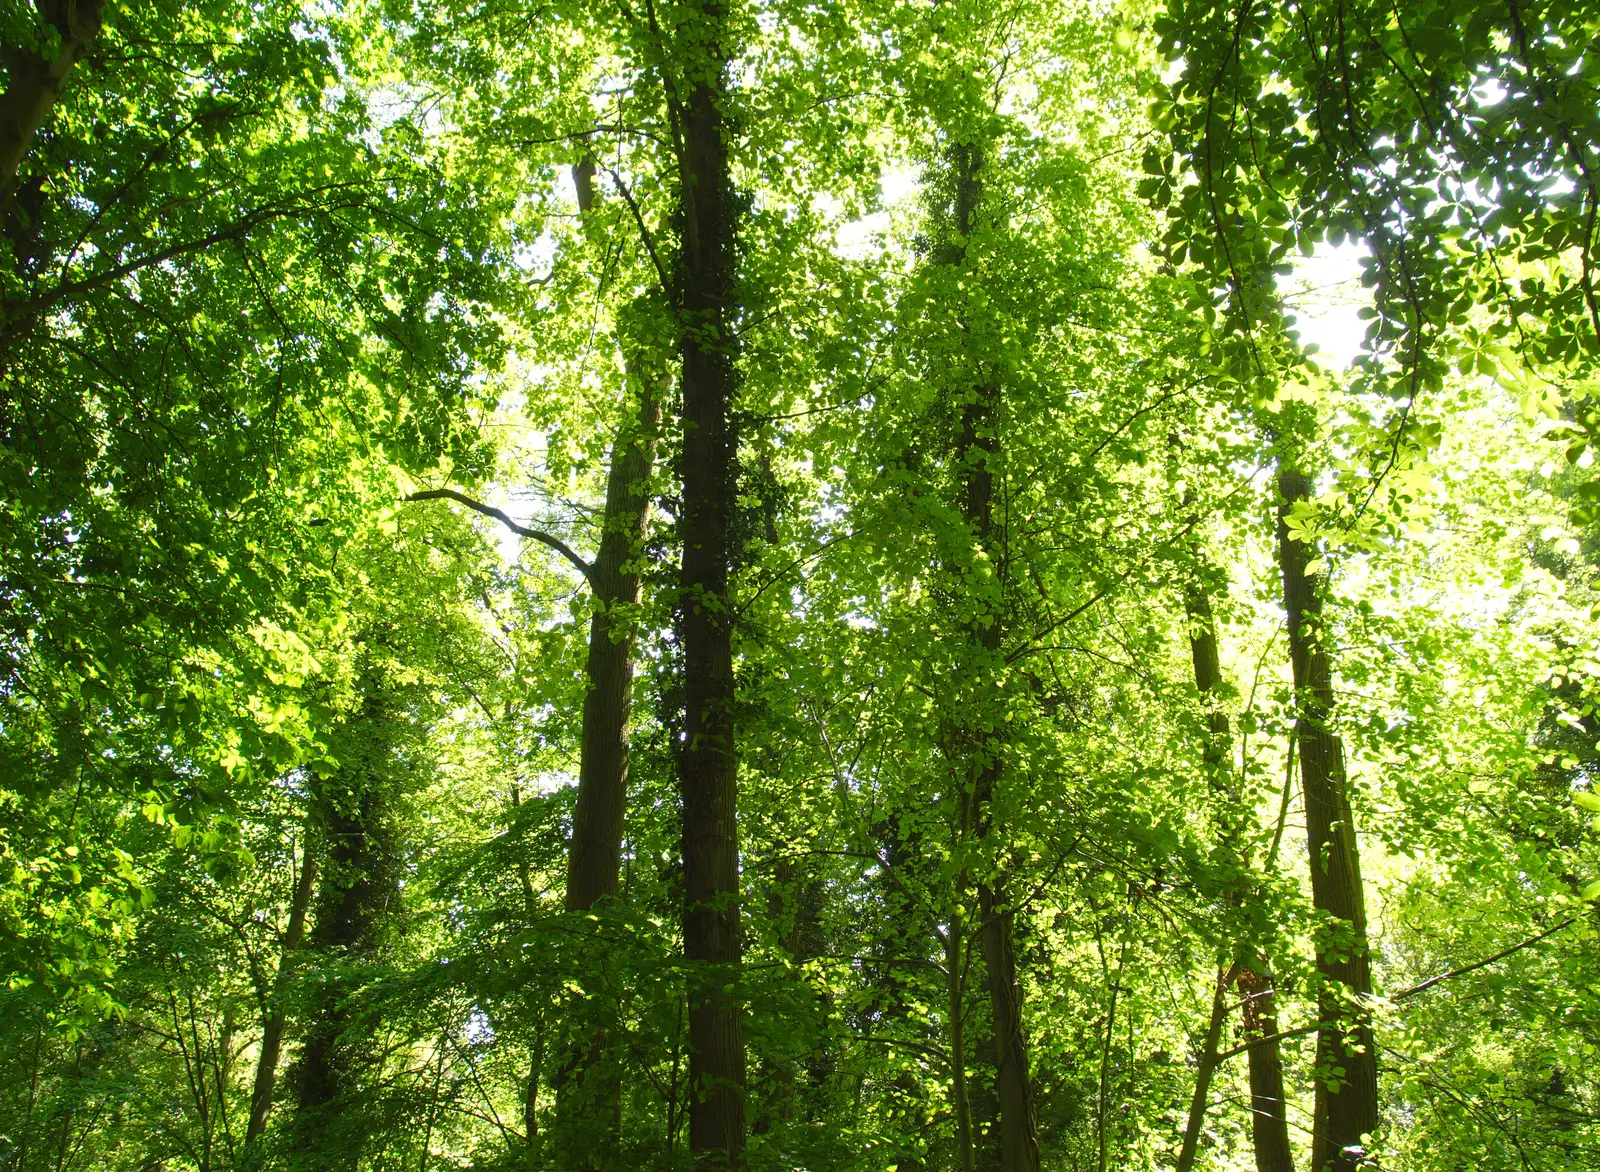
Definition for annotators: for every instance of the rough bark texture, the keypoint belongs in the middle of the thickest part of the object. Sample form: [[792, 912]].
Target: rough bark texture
[[977, 453], [707, 765], [276, 1016], [1269, 1120], [1347, 1102]]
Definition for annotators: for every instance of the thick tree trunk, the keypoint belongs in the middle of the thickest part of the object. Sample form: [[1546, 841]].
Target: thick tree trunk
[[276, 1015], [707, 764], [35, 81], [1269, 1120], [1347, 1109]]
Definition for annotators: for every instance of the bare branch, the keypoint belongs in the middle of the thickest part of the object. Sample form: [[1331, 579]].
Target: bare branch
[[1467, 968], [555, 543]]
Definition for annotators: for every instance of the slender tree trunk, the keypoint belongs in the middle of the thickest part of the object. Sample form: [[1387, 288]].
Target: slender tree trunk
[[1348, 1109], [590, 1101], [276, 1016], [977, 454], [955, 988], [1269, 1132], [595, 860], [1206, 1069], [1207, 661], [707, 763]]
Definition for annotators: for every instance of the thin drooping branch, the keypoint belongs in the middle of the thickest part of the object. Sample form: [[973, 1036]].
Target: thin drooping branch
[[1484, 963], [555, 543], [645, 236], [1411, 992]]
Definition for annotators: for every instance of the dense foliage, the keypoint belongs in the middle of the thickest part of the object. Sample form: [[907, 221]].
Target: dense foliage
[[678, 584]]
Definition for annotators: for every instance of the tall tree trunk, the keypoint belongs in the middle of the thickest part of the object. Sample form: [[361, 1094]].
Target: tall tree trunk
[[276, 1015], [1346, 1109], [1269, 1130], [707, 763], [977, 454], [590, 1100], [595, 860]]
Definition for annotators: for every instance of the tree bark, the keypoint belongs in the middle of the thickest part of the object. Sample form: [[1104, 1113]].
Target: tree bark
[[707, 763], [1269, 1120], [1347, 1070], [1203, 1074], [977, 453], [37, 80], [595, 859], [590, 1101], [1019, 1132], [1269, 1130], [276, 1015]]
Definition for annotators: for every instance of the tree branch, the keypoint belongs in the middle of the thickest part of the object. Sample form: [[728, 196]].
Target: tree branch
[[644, 232], [1278, 1037], [1432, 981], [555, 543]]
